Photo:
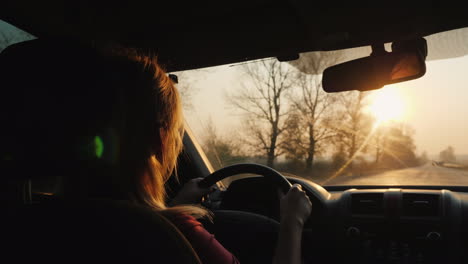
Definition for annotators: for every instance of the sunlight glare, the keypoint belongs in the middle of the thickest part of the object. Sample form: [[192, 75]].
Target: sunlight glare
[[387, 105]]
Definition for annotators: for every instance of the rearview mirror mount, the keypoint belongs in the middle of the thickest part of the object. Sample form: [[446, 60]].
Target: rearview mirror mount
[[405, 62]]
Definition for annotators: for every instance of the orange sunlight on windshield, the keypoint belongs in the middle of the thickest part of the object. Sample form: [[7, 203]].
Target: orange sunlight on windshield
[[387, 105]]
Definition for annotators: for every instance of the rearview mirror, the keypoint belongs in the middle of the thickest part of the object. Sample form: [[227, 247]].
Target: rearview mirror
[[405, 62]]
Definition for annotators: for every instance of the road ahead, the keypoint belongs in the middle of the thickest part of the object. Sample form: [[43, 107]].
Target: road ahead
[[423, 175]]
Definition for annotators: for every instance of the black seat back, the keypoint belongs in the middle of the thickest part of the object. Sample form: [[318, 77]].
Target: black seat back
[[92, 231], [44, 103]]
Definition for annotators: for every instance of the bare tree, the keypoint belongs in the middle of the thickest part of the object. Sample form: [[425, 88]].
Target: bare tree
[[263, 99], [378, 141], [186, 84], [220, 150], [394, 145], [295, 150], [316, 111], [448, 155], [398, 150], [423, 159], [355, 126]]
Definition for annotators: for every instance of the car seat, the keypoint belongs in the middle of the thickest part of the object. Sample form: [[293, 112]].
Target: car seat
[[38, 78]]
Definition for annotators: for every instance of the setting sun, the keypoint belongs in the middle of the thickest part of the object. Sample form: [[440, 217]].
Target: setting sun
[[387, 105]]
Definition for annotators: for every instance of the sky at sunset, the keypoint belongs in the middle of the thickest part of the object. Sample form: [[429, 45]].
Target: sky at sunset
[[435, 106]]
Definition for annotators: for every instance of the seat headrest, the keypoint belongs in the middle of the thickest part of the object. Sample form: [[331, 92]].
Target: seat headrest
[[52, 100]]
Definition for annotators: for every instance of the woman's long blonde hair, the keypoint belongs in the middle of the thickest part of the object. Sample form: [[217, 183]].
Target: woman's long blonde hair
[[151, 133]]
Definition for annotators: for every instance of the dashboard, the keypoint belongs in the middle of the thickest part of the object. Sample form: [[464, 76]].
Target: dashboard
[[379, 225], [398, 225]]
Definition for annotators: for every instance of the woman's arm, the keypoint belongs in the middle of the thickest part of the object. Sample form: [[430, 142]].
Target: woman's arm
[[191, 193], [295, 209], [207, 247]]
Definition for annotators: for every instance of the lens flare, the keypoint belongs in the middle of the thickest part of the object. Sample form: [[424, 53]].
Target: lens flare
[[99, 146]]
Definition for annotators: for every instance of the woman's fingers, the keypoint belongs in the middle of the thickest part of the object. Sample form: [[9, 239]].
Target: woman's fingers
[[211, 188], [295, 205], [297, 188], [208, 189]]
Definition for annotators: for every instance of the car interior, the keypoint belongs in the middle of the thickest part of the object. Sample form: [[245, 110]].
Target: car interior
[[349, 223]]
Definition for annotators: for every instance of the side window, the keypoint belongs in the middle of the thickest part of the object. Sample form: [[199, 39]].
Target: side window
[[10, 34]]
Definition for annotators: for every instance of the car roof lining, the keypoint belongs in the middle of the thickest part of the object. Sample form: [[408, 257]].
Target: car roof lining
[[204, 34]]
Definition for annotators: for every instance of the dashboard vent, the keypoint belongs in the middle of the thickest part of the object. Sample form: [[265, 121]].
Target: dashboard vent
[[367, 203], [416, 204]]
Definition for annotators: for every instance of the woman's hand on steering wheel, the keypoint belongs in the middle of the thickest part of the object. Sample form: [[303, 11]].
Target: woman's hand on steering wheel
[[295, 209], [295, 206], [191, 193]]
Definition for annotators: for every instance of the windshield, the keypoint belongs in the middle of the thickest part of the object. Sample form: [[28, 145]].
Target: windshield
[[270, 112]]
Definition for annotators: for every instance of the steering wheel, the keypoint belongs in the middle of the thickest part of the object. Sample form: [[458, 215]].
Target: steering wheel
[[240, 231], [317, 194], [265, 171]]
